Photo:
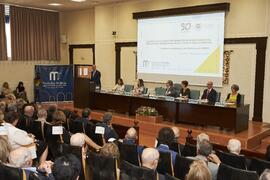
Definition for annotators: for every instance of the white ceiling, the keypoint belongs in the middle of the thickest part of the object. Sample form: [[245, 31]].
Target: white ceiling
[[67, 5]]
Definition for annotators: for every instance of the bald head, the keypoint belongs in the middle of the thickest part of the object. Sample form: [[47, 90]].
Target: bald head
[[20, 157], [77, 139], [176, 132], [150, 157], [131, 134]]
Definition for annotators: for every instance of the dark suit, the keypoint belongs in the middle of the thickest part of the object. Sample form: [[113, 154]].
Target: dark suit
[[171, 91], [95, 77], [186, 93], [211, 96]]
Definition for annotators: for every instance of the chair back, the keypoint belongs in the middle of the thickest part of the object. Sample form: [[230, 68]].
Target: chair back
[[181, 167], [177, 87], [104, 168], [90, 132], [39, 129], [10, 173], [189, 150], [128, 88], [165, 165], [145, 90], [169, 177], [76, 126], [176, 147], [218, 96], [258, 165], [160, 91], [129, 153], [194, 94], [236, 161], [131, 172], [242, 99], [226, 172]]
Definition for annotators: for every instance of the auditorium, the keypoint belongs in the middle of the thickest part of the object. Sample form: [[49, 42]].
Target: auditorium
[[134, 90]]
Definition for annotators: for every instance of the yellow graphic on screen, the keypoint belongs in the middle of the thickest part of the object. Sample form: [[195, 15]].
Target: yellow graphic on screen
[[211, 64]]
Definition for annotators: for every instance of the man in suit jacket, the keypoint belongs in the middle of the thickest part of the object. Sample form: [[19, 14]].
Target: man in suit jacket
[[95, 76], [170, 90], [210, 94]]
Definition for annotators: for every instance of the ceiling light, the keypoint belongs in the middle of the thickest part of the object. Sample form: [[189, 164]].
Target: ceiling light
[[78, 0], [55, 4]]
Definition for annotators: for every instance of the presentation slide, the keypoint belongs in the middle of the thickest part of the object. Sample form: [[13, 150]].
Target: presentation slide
[[184, 47]]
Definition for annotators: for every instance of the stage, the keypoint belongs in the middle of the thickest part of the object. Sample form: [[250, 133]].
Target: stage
[[256, 138]]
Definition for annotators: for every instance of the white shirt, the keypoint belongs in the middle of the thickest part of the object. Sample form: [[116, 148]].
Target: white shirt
[[118, 87], [17, 137]]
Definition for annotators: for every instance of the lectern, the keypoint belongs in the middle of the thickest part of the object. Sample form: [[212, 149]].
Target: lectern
[[83, 87]]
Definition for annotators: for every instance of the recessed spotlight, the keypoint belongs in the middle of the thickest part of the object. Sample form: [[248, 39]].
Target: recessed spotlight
[[55, 4], [78, 0]]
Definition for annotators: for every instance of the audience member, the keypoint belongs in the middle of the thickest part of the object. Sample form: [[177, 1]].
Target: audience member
[[209, 94], [265, 175], [131, 137], [204, 152], [26, 118], [234, 96], [138, 90], [150, 158], [176, 132], [85, 119], [18, 138], [4, 150], [12, 107], [119, 86], [198, 171], [170, 90], [66, 167], [51, 110], [82, 140], [21, 92], [234, 146], [165, 139], [201, 137], [3, 106], [184, 91], [110, 150], [5, 89], [42, 116], [107, 124]]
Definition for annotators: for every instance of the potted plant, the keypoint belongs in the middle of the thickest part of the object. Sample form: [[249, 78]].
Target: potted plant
[[148, 114]]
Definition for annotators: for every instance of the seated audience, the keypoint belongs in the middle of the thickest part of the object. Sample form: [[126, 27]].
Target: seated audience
[[20, 91], [26, 118], [107, 124], [170, 90], [66, 167], [234, 146], [119, 86], [265, 175], [166, 138], [5, 90], [131, 137], [138, 90], [201, 137], [184, 91], [209, 94], [234, 96], [20, 103], [85, 119], [204, 152], [12, 107], [150, 158], [198, 171], [18, 138], [82, 140], [110, 150], [42, 116]]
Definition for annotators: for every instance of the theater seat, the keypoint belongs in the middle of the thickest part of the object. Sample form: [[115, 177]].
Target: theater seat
[[90, 132], [160, 91], [181, 167], [165, 165], [128, 88], [132, 172], [189, 150], [226, 172], [129, 153], [76, 127], [194, 94], [236, 161], [169, 177], [258, 165], [39, 129]]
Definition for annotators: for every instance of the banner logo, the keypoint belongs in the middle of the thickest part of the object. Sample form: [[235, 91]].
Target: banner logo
[[54, 76]]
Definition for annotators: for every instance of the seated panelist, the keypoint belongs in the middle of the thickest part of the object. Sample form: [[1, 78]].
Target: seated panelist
[[138, 90], [170, 90], [234, 96], [210, 93], [184, 91], [119, 86]]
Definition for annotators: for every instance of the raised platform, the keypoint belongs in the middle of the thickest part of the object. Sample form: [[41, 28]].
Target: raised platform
[[251, 139]]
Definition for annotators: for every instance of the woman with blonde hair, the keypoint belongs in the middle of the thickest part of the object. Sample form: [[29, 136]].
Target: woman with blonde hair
[[198, 171]]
